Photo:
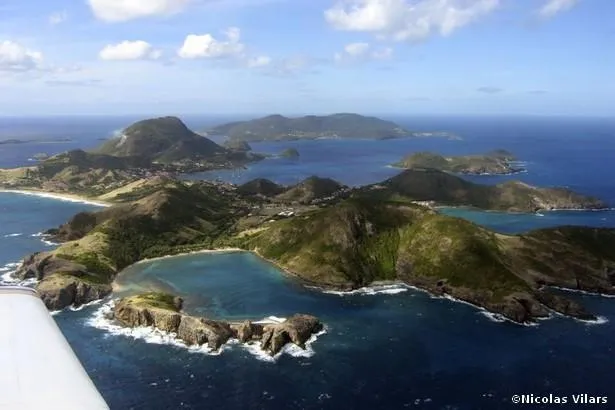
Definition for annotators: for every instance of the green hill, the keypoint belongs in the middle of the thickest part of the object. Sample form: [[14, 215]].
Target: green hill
[[357, 242], [165, 139], [261, 186], [498, 162], [310, 189], [376, 235], [290, 153], [277, 127], [447, 189]]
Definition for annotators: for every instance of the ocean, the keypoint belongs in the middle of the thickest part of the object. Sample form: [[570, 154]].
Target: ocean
[[384, 348]]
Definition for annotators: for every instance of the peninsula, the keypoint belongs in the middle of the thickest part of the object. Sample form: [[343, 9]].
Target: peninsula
[[342, 238], [498, 162], [163, 311]]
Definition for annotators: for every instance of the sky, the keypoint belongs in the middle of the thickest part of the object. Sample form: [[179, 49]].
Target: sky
[[396, 57]]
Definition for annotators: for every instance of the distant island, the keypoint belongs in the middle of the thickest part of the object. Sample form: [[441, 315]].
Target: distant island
[[280, 128], [498, 162], [290, 153], [16, 141], [154, 147]]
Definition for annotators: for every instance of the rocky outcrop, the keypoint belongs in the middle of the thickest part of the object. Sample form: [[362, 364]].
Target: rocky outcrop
[[152, 310], [297, 329], [564, 306], [42, 264], [60, 291], [63, 282]]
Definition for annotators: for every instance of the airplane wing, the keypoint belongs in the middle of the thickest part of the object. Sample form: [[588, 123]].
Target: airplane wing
[[38, 368]]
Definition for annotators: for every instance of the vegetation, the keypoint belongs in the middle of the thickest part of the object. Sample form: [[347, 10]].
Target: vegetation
[[277, 127], [496, 162], [375, 234], [165, 140], [311, 188], [155, 300], [448, 189], [458, 252], [290, 153]]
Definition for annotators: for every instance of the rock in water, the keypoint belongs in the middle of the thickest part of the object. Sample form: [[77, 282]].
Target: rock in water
[[60, 291], [162, 311], [297, 329]]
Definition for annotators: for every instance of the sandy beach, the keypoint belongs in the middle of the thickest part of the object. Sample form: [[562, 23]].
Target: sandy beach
[[203, 251], [57, 196]]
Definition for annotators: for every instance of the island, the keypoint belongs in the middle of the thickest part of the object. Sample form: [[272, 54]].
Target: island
[[280, 128], [154, 147], [290, 153], [163, 311], [16, 141], [498, 162], [332, 236]]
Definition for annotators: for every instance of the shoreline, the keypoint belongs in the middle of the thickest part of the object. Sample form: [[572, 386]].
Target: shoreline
[[177, 255], [58, 196]]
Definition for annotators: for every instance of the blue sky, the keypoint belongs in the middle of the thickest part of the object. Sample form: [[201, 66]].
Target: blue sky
[[414, 57]]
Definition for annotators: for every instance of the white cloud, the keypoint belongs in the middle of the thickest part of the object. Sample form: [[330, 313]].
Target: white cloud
[[260, 61], [17, 58], [354, 52], [124, 10], [58, 18], [206, 46], [553, 7], [129, 50], [405, 19], [356, 49]]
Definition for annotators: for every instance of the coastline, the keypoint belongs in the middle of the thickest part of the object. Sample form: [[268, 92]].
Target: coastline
[[177, 255], [58, 196], [470, 174]]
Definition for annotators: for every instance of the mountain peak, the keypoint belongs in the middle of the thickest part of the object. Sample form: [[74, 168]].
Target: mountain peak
[[163, 139]]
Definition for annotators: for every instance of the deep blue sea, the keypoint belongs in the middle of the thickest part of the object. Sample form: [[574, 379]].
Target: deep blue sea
[[392, 349]]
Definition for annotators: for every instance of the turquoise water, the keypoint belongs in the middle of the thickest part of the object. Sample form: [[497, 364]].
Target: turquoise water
[[396, 349], [522, 222]]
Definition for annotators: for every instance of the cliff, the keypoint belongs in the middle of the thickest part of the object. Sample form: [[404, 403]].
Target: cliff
[[499, 162], [162, 311]]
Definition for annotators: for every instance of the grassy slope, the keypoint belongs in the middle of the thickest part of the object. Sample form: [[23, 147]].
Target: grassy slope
[[496, 162], [356, 242], [447, 189], [174, 218]]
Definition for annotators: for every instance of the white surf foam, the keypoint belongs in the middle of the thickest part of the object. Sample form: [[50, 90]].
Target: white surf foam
[[271, 320], [56, 197], [600, 320], [254, 348], [152, 335], [584, 292], [43, 237], [7, 271], [13, 235], [391, 289], [92, 303]]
